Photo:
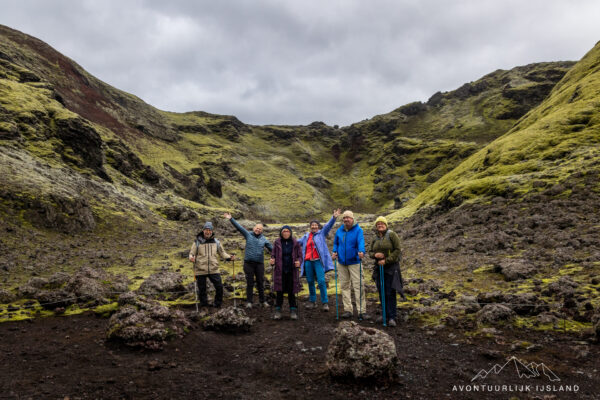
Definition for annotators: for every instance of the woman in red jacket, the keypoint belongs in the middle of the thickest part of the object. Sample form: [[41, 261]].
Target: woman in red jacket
[[286, 257]]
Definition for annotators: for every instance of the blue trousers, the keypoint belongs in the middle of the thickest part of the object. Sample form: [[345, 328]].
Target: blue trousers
[[314, 271]]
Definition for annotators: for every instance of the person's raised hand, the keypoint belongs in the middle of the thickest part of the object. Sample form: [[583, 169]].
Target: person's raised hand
[[227, 215], [337, 213]]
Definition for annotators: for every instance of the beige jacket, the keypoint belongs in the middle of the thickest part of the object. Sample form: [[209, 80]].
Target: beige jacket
[[205, 252]]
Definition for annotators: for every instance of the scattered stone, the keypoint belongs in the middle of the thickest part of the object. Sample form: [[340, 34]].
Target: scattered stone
[[145, 323], [515, 269], [6, 296], [96, 285], [494, 313], [361, 353], [54, 299], [230, 319], [57, 280], [469, 302], [166, 284]]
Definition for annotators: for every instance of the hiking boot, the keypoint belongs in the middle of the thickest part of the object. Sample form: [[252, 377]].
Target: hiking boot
[[310, 305], [346, 314], [265, 304], [325, 307], [277, 315], [248, 305], [391, 323], [364, 316], [293, 314]]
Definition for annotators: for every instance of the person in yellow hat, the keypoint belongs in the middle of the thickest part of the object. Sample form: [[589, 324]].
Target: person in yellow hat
[[385, 249]]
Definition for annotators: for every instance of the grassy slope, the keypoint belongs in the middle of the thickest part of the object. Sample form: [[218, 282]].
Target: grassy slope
[[553, 141]]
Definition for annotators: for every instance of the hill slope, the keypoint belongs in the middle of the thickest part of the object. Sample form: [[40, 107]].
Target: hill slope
[[87, 152]]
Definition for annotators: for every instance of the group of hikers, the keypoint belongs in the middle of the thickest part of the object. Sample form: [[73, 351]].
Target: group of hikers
[[308, 256]]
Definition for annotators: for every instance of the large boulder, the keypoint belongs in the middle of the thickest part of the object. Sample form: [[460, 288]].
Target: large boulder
[[361, 353], [230, 319], [494, 313], [164, 284], [145, 323]]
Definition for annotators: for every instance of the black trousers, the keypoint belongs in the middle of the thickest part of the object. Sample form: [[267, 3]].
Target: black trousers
[[388, 291], [255, 269], [216, 281], [287, 280]]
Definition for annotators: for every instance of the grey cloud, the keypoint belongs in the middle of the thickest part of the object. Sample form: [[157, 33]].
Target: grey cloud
[[297, 62]]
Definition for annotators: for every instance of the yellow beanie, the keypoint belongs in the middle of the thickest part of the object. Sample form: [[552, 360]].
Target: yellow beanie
[[381, 219], [348, 213]]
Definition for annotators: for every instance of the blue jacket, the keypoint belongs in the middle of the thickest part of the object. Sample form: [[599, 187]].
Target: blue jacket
[[347, 244], [254, 244], [321, 244]]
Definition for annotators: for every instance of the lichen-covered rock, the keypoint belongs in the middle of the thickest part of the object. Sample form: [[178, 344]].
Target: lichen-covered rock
[[57, 280], [95, 285], [493, 313], [470, 303], [516, 269], [53, 299], [6, 296], [37, 282], [145, 323], [27, 291], [165, 283], [230, 319], [361, 353]]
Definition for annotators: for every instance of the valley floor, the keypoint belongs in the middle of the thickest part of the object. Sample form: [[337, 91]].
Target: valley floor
[[68, 357]]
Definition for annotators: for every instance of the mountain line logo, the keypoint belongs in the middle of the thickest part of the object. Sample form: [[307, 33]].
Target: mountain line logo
[[522, 369]]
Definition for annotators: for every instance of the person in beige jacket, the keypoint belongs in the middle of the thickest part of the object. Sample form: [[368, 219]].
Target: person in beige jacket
[[204, 254]]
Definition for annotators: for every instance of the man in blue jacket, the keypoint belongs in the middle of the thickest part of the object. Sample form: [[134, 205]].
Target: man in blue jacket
[[316, 260], [349, 249], [254, 259]]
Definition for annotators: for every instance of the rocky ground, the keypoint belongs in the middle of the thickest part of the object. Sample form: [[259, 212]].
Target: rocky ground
[[517, 277], [60, 357]]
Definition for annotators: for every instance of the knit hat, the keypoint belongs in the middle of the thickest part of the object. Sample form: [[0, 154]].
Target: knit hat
[[208, 225], [381, 219], [285, 227], [348, 213]]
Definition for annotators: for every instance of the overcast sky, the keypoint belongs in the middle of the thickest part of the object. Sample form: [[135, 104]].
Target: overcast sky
[[294, 62]]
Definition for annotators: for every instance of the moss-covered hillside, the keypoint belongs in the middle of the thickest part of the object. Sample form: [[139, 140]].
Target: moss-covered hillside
[[80, 152], [556, 141]]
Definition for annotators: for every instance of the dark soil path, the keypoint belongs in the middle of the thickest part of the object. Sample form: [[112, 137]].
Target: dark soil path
[[67, 357]]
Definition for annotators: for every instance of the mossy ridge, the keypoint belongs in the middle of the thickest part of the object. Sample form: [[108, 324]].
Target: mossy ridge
[[541, 146]]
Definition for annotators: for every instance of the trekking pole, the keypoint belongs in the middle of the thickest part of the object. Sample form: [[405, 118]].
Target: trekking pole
[[194, 272], [233, 284], [382, 285], [360, 287], [337, 314], [196, 293]]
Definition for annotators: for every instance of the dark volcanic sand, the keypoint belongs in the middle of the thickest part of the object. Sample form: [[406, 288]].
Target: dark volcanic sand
[[63, 357]]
